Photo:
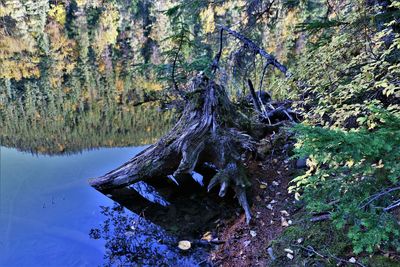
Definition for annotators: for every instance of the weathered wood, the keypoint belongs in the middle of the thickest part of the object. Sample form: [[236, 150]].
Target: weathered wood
[[210, 128], [209, 124]]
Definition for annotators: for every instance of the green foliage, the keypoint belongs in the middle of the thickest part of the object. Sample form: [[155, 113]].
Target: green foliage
[[350, 90], [347, 169]]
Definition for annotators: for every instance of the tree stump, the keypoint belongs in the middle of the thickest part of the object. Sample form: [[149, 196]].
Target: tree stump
[[210, 129]]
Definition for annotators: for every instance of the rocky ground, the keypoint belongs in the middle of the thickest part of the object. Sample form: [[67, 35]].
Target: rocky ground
[[272, 208]]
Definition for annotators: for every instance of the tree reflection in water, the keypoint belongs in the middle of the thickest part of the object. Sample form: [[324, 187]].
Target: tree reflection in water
[[132, 240]]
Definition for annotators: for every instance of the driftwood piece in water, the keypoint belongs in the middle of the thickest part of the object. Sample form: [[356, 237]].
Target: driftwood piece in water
[[209, 127]]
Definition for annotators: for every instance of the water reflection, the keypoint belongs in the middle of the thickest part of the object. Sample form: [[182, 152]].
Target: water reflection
[[52, 132], [133, 241], [47, 209]]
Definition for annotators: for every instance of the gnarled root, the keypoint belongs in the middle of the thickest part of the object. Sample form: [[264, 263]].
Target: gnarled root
[[209, 125]]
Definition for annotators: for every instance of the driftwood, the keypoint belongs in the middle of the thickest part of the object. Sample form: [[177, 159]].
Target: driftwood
[[210, 130]]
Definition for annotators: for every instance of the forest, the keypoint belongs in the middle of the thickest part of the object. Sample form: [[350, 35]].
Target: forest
[[290, 108]]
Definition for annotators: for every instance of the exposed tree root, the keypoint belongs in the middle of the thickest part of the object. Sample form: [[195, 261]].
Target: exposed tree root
[[209, 125], [210, 130]]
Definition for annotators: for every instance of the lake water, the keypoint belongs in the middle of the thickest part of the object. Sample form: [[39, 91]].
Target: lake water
[[47, 208], [61, 94]]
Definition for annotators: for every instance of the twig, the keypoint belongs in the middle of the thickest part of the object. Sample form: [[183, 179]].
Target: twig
[[393, 205], [256, 49], [312, 250], [254, 96], [379, 195], [215, 63], [176, 88], [263, 109], [322, 217]]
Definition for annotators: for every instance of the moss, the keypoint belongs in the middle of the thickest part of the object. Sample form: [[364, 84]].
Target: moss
[[382, 261], [321, 237]]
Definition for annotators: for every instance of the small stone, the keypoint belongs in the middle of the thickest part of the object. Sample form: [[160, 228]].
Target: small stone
[[301, 163], [284, 223], [253, 233], [300, 240], [275, 183], [290, 256], [269, 206], [271, 253], [290, 222], [184, 245], [273, 201], [288, 250], [284, 213], [352, 260], [246, 243]]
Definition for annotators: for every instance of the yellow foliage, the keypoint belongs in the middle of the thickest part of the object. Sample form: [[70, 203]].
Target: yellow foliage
[[81, 3], [63, 53], [108, 31], [119, 85], [23, 68], [57, 12], [207, 18]]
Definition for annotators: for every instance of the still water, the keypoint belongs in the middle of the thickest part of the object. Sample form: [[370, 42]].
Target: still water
[[47, 208], [50, 216]]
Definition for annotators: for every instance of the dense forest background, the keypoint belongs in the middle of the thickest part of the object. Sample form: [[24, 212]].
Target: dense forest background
[[73, 68]]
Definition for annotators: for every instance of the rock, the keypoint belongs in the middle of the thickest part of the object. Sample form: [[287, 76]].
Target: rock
[[288, 250], [275, 183], [290, 256], [184, 245], [284, 213], [300, 240], [253, 233], [352, 260], [301, 163], [246, 243], [270, 207], [284, 223], [271, 253]]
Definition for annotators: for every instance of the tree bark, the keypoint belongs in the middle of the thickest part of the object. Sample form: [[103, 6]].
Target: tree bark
[[209, 125]]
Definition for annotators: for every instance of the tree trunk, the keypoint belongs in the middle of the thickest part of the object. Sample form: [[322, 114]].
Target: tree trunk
[[209, 126]]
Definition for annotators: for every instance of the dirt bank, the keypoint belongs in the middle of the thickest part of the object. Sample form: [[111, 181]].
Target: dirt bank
[[272, 207]]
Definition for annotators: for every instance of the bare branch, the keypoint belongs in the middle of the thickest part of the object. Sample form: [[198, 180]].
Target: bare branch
[[256, 49]]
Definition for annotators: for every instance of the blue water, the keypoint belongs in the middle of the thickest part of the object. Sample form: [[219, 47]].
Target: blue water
[[47, 208]]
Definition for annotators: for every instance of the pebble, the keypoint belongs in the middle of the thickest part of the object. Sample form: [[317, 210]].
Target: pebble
[[284, 213], [253, 233], [271, 253], [288, 250]]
